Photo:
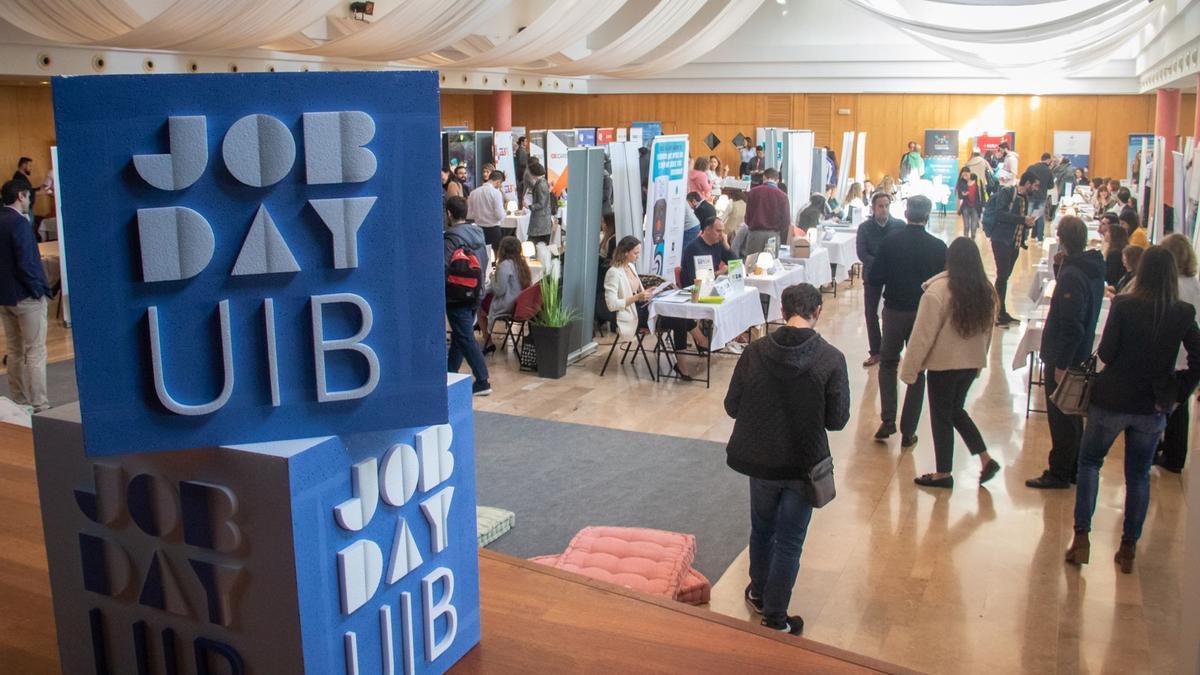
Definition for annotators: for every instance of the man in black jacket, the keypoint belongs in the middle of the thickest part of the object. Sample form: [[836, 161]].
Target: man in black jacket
[[906, 260], [871, 234], [786, 392], [1067, 341], [1006, 221], [1037, 200]]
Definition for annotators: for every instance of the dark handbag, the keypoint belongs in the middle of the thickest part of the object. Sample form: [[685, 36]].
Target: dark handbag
[[527, 355], [819, 483], [1074, 393]]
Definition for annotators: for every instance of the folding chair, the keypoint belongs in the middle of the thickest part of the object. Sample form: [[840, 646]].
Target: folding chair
[[528, 304]]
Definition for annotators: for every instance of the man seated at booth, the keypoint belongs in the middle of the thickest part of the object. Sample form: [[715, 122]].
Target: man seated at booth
[[711, 242]]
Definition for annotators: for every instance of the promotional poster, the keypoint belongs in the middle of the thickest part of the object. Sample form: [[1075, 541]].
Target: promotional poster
[[585, 137], [558, 141], [605, 136], [662, 241], [986, 142], [502, 148], [1135, 159], [1076, 146], [941, 163], [647, 131]]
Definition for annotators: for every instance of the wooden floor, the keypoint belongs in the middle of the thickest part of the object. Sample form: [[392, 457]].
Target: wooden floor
[[944, 582]]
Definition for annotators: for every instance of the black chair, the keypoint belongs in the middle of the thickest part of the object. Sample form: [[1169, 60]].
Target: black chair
[[643, 330]]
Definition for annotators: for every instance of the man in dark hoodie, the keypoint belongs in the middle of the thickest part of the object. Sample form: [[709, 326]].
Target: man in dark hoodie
[[1007, 219], [1067, 341], [786, 392], [461, 315]]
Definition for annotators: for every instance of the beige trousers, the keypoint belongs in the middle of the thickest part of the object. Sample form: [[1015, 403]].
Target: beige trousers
[[25, 330]]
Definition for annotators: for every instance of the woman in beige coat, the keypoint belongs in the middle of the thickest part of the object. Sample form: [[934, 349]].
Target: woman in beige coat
[[950, 340], [623, 290]]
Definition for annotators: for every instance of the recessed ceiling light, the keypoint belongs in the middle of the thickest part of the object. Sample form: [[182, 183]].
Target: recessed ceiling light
[[781, 2]]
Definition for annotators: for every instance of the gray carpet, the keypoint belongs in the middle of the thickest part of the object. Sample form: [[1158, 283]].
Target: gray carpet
[[560, 478]]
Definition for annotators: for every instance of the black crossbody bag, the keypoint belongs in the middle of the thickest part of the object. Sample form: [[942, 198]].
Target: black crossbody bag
[[818, 483]]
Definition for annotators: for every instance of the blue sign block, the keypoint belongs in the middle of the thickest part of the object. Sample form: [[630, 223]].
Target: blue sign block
[[252, 257], [350, 554]]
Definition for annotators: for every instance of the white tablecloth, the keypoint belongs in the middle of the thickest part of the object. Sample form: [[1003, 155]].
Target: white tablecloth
[[843, 252], [1031, 336], [773, 285], [519, 221], [731, 318], [816, 267], [1043, 274]]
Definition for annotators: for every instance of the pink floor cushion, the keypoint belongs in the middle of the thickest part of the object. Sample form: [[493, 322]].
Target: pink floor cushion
[[695, 590], [650, 561], [548, 560]]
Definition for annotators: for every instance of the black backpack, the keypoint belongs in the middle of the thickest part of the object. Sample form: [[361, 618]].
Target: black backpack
[[464, 274]]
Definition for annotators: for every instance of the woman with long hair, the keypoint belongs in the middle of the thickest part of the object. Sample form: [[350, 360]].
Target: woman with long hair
[[734, 217], [950, 340], [541, 222], [1080, 177], [970, 201], [1131, 256], [887, 186], [1137, 233], [623, 289], [1138, 388], [1172, 451], [512, 277], [1116, 238], [714, 172]]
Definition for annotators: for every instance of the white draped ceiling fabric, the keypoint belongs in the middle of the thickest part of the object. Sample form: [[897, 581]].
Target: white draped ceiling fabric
[[439, 33], [1070, 42]]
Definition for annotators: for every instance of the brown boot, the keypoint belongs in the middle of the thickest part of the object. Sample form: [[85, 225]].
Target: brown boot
[[1125, 554], [1081, 549]]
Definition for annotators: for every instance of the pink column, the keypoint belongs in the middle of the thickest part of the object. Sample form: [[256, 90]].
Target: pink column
[[502, 110], [1166, 125]]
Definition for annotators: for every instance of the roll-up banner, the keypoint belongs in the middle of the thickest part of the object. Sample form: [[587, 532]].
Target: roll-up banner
[[622, 135], [537, 145], [605, 136], [1133, 156], [663, 230], [558, 141], [1076, 146], [585, 136], [843, 177], [860, 160], [800, 169], [986, 142], [941, 162], [502, 148], [649, 130], [627, 188]]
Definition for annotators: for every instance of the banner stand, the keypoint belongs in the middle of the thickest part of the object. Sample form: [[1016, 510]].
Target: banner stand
[[627, 189], [662, 234], [585, 187]]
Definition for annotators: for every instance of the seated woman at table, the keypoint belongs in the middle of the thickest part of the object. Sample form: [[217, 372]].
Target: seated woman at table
[[1131, 256], [512, 277], [734, 212], [1137, 233], [624, 293], [855, 203], [810, 216], [608, 237], [1116, 238]]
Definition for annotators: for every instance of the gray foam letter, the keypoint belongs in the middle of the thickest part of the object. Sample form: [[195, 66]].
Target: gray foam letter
[[259, 150], [333, 151], [160, 385], [343, 217], [264, 251], [352, 343], [186, 161], [176, 243]]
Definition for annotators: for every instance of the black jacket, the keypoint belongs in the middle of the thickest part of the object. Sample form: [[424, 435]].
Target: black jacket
[[1009, 212], [1115, 267], [704, 210], [1070, 327], [907, 258], [1139, 375], [21, 274], [870, 236], [1045, 179], [786, 392]]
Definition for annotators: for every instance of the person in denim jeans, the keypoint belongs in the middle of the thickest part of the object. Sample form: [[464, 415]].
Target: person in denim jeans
[[1135, 392], [787, 391]]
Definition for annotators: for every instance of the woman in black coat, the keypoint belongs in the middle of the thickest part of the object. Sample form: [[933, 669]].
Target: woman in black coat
[[1134, 394]]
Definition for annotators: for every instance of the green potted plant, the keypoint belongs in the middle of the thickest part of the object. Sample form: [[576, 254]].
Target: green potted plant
[[549, 330]]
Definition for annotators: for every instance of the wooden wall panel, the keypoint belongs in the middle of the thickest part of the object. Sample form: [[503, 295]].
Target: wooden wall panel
[[890, 120], [26, 130]]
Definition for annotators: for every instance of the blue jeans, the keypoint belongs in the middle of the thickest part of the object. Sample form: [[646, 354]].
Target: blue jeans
[[779, 515], [1141, 440], [1039, 228], [462, 342]]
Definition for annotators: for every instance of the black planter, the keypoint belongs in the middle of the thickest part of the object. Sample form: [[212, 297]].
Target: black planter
[[551, 350]]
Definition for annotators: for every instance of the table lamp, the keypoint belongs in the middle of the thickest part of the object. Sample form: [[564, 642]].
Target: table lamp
[[764, 263], [528, 249], [511, 207]]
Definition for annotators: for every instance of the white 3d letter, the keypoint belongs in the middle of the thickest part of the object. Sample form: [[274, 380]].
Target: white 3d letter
[[156, 363], [437, 513], [333, 151], [186, 161], [360, 569], [398, 476], [354, 513], [433, 611], [433, 444], [352, 343]]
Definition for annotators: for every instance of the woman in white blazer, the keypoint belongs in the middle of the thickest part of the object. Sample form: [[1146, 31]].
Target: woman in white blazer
[[623, 288]]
